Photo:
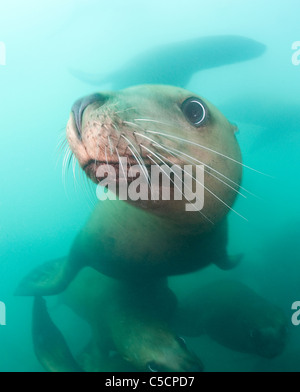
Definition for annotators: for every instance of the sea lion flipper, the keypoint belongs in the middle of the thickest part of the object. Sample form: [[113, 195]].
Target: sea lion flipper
[[50, 346], [229, 262], [94, 80], [50, 278]]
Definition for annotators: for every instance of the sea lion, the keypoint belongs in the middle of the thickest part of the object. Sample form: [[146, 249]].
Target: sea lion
[[54, 355], [235, 316], [176, 63], [136, 240], [49, 344], [133, 321]]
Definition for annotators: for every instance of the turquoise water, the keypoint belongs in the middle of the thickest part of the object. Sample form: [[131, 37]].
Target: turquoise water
[[44, 42]]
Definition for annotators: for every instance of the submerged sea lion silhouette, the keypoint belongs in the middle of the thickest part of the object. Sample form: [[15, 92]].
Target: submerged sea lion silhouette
[[132, 322], [235, 316], [176, 63]]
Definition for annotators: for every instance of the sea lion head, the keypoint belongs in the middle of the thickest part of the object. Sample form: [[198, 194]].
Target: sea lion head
[[266, 328], [161, 351], [269, 341], [155, 126]]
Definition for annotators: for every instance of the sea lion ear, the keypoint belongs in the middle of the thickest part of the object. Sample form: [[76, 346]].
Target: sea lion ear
[[51, 278], [229, 262], [235, 128]]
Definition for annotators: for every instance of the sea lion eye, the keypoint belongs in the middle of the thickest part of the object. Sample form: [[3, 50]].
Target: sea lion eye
[[254, 334], [153, 367], [181, 341], [194, 111]]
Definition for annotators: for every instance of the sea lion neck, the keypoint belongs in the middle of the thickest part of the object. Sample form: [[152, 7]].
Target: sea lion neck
[[132, 218]]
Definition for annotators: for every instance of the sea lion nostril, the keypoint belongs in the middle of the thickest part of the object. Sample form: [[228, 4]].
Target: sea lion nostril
[[80, 106]]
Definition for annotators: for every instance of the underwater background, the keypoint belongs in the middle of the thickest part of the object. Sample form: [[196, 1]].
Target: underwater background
[[48, 44]]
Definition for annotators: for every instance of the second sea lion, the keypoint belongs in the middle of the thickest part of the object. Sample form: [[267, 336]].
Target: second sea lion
[[235, 316], [133, 321]]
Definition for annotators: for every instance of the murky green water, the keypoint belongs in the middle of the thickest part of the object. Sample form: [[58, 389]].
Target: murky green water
[[45, 43]]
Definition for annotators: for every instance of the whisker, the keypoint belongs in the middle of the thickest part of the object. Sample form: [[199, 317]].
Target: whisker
[[66, 158], [216, 171], [207, 189], [111, 105], [97, 153], [118, 131], [106, 155], [207, 149], [61, 136], [122, 167], [161, 146], [140, 162], [153, 121], [70, 160], [110, 146], [180, 153], [170, 149], [74, 172], [63, 149], [130, 167], [196, 144], [141, 166], [61, 143], [125, 110], [64, 167], [133, 124], [212, 175], [200, 212]]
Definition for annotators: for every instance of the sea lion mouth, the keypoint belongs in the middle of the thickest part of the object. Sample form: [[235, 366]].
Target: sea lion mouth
[[115, 165], [120, 170]]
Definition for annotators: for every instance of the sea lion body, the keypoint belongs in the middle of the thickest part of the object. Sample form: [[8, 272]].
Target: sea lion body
[[186, 59], [142, 239], [235, 316], [134, 244]]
